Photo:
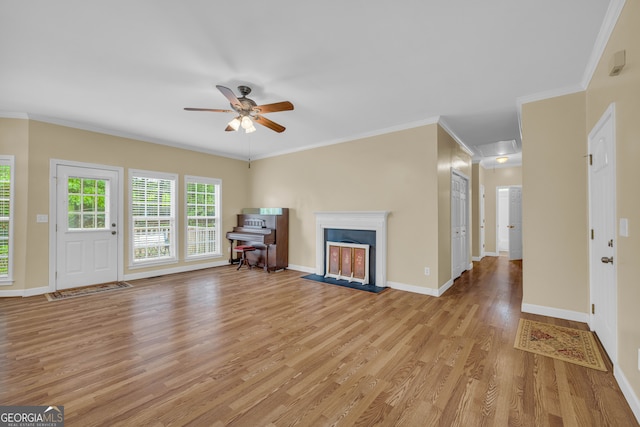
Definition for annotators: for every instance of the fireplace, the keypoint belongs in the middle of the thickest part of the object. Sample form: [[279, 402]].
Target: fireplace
[[354, 230]]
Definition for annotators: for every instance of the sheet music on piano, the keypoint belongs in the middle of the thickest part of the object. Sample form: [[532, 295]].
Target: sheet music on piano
[[267, 229]]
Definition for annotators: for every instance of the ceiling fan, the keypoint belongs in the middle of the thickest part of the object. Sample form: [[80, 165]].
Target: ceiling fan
[[248, 111]]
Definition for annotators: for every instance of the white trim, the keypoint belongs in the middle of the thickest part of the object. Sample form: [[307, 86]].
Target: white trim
[[218, 206], [302, 268], [491, 254], [53, 212], [421, 289], [607, 27], [25, 292], [627, 391], [354, 137], [477, 258], [559, 313], [10, 160], [413, 288], [13, 115], [173, 243], [355, 220], [455, 137], [174, 270]]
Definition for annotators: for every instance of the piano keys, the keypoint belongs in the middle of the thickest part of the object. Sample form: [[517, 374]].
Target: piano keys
[[266, 229]]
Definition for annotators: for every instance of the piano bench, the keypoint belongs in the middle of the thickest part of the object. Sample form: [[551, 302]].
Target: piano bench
[[243, 259]]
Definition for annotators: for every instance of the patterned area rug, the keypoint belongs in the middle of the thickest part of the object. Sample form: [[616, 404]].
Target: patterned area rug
[[567, 344], [87, 290]]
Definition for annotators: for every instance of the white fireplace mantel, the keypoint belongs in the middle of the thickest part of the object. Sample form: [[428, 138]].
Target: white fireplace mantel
[[355, 220]]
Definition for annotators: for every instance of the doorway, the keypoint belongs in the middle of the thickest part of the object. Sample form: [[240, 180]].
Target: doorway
[[86, 247], [509, 221]]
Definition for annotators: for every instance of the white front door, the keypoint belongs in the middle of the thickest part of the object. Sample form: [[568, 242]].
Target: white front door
[[86, 222], [515, 223], [602, 219]]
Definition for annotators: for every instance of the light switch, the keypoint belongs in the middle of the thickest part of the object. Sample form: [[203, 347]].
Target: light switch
[[624, 227], [42, 218]]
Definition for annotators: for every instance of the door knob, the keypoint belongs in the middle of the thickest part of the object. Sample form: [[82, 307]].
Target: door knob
[[607, 260]]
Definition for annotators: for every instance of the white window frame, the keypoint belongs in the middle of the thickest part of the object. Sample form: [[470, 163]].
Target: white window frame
[[173, 257], [218, 216], [8, 160]]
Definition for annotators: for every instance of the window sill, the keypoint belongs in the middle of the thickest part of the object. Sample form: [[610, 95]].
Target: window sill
[[146, 264]]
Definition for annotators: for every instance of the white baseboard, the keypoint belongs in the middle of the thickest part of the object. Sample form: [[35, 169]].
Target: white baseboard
[[627, 390], [477, 258], [25, 292], [444, 288], [420, 289], [491, 254], [309, 270], [470, 266], [181, 269], [559, 313], [413, 288]]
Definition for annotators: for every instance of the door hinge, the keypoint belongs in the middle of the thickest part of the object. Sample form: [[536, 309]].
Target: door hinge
[[592, 234], [590, 159], [593, 309]]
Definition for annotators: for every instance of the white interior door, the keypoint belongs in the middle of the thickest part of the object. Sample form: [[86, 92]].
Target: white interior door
[[459, 218], [602, 218], [515, 223], [482, 222], [502, 221], [86, 215]]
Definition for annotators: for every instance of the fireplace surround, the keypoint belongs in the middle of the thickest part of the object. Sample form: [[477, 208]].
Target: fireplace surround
[[354, 220]]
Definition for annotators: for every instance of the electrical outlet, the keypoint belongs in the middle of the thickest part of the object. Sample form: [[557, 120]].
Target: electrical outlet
[[427, 271]]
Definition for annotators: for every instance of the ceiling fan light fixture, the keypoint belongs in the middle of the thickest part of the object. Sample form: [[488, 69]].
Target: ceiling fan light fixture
[[502, 159], [247, 124], [234, 124]]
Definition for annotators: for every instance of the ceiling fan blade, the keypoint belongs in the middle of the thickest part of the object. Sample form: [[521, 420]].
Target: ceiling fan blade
[[272, 108], [215, 110], [268, 123], [228, 93]]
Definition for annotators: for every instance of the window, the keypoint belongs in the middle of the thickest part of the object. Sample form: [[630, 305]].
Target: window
[[203, 216], [153, 217], [6, 218], [86, 206]]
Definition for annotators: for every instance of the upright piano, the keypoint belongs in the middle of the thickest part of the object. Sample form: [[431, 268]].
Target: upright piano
[[266, 229]]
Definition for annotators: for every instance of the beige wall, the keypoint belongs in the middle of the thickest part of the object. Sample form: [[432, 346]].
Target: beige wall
[[624, 91], [450, 157], [554, 204], [397, 172], [47, 141], [494, 178], [14, 140], [477, 178]]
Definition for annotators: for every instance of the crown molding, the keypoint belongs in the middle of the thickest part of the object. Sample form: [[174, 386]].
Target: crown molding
[[377, 132], [608, 24], [456, 138]]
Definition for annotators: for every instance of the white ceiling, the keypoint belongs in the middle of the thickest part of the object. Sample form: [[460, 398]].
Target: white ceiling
[[351, 68]]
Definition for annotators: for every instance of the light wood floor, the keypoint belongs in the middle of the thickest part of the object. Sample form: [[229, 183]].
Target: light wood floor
[[225, 347]]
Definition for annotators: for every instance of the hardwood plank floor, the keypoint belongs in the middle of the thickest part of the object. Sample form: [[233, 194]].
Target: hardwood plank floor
[[223, 347]]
